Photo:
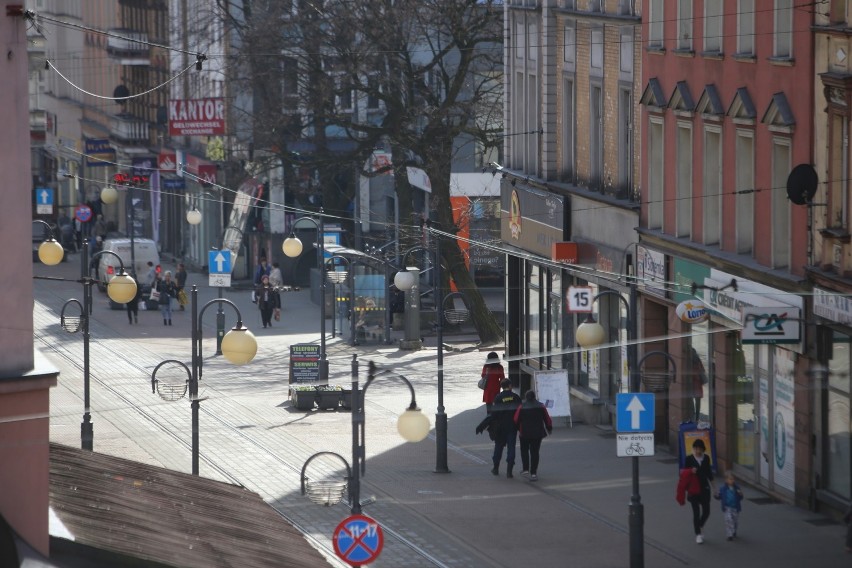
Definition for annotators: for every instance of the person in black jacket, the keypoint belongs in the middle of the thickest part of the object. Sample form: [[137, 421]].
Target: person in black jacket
[[133, 305], [267, 299], [501, 427], [699, 463], [534, 423]]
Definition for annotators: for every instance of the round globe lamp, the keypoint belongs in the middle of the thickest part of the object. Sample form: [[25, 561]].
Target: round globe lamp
[[239, 346], [589, 334], [121, 288], [50, 252], [109, 195], [193, 217], [292, 246], [413, 425], [404, 280]]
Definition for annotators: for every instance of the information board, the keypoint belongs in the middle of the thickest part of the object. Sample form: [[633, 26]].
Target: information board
[[551, 388], [304, 362]]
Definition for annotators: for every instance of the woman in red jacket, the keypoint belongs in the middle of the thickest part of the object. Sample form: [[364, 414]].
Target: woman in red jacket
[[493, 374]]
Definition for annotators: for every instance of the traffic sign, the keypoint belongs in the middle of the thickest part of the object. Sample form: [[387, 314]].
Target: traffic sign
[[219, 261], [634, 412], [634, 445], [358, 540], [219, 281], [580, 299], [83, 213], [44, 201]]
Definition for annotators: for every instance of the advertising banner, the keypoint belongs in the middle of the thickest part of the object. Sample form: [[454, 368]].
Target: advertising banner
[[304, 362], [98, 152]]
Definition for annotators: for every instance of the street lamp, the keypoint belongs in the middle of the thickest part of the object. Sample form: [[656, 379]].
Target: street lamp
[[193, 215], [292, 247], [589, 335], [220, 313], [50, 252], [412, 425], [336, 277], [121, 289], [239, 346]]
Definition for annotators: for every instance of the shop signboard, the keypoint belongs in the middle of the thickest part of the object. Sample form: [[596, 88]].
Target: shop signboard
[[651, 271], [304, 362], [531, 220], [685, 273], [832, 306]]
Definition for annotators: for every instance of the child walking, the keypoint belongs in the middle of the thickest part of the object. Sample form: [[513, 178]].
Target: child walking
[[731, 497]]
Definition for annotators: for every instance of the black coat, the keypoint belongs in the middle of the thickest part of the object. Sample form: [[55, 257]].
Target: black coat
[[533, 420], [705, 471], [166, 290], [501, 422]]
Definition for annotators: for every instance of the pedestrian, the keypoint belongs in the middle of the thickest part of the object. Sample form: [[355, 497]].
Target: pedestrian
[[492, 372], [699, 463], [847, 518], [166, 290], [731, 497], [100, 228], [277, 283], [500, 424], [133, 305], [261, 270], [180, 284], [533, 423], [267, 300], [151, 276]]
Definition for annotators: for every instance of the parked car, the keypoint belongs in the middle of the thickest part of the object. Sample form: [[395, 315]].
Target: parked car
[[108, 265]]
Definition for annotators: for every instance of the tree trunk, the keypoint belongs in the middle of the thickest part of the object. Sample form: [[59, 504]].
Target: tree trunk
[[483, 319]]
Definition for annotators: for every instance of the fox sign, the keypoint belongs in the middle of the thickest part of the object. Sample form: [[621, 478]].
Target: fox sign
[[196, 117]]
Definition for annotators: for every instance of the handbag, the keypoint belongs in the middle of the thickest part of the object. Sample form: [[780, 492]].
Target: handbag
[[277, 314], [155, 295], [482, 383], [181, 297]]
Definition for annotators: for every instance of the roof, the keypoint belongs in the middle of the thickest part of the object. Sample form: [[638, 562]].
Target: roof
[[151, 513]]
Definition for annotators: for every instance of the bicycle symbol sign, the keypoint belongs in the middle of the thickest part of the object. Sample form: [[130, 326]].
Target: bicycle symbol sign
[[358, 539], [634, 445]]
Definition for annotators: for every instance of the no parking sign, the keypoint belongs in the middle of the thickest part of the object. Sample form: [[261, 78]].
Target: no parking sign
[[358, 540]]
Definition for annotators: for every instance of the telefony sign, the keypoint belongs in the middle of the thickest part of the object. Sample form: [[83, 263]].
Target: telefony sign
[[196, 117]]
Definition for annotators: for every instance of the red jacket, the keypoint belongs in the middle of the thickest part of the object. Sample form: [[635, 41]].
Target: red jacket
[[493, 374], [688, 484]]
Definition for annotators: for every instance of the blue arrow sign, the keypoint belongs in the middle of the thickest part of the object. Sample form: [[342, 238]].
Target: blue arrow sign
[[44, 196], [634, 412], [219, 261]]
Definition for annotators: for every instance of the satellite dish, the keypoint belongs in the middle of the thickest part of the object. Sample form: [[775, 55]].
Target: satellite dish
[[121, 93], [802, 184]]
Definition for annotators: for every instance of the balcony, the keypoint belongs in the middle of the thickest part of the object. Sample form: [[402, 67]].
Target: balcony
[[128, 130], [130, 48]]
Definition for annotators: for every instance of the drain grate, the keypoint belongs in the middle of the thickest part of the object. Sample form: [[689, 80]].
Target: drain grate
[[764, 501], [822, 522]]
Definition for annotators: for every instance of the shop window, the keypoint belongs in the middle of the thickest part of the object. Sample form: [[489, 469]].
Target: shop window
[[838, 426], [534, 313]]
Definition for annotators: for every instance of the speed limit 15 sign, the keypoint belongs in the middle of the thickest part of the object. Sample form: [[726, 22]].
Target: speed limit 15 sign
[[579, 299]]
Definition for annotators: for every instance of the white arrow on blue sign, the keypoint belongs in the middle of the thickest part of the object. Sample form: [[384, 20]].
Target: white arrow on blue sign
[[44, 195], [634, 412], [219, 261]]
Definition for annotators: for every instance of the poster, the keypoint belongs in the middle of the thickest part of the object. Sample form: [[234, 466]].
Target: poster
[[304, 362], [551, 388], [783, 442]]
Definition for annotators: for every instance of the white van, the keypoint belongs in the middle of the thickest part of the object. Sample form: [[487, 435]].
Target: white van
[[108, 265]]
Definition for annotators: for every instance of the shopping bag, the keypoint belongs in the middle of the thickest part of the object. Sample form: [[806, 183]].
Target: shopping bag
[[181, 297], [155, 295]]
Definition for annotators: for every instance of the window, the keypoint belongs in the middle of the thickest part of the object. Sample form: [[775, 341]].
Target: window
[[625, 142], [533, 41], [534, 319], [780, 204], [744, 183], [520, 39], [568, 122], [531, 136], [712, 185], [518, 120], [838, 150], [596, 5], [655, 173], [626, 55], [597, 48], [713, 27], [625, 7], [343, 97], [684, 25], [683, 206], [373, 92], [838, 419], [554, 316], [569, 48], [655, 25], [745, 27], [783, 29], [596, 137]]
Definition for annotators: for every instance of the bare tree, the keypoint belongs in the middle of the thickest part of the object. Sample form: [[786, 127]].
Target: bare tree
[[433, 67]]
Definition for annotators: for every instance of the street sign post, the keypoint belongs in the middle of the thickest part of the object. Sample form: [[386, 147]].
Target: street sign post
[[633, 445], [83, 213], [579, 299], [634, 412], [44, 200], [358, 540], [219, 268]]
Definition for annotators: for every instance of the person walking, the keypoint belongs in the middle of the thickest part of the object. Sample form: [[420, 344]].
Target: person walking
[[533, 423], [492, 372], [500, 424], [166, 290], [133, 305], [276, 280], [267, 300], [262, 270], [699, 463], [731, 497], [151, 277], [698, 376], [180, 284]]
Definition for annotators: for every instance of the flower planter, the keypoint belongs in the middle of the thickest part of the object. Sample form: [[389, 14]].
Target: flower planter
[[304, 399], [346, 399], [328, 399]]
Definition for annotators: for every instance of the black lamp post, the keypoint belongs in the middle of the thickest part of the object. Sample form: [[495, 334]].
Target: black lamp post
[[292, 247], [239, 346], [336, 277], [220, 313]]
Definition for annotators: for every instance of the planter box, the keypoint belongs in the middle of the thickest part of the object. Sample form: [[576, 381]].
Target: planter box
[[346, 399], [328, 400], [304, 400]]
